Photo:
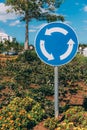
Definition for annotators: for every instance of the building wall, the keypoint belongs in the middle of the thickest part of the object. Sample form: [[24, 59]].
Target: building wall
[[85, 51], [4, 37]]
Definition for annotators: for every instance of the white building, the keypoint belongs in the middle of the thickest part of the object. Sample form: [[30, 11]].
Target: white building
[[85, 51], [4, 37]]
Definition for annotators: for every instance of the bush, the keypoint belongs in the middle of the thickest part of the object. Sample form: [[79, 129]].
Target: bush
[[51, 123], [74, 71], [21, 113], [68, 126], [28, 56], [74, 118], [77, 115]]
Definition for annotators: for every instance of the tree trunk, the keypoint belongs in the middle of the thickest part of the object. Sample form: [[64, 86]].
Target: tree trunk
[[26, 36]]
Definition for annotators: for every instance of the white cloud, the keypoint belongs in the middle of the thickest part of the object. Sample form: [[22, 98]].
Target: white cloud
[[17, 22], [85, 8], [39, 26], [67, 22], [4, 16], [32, 30]]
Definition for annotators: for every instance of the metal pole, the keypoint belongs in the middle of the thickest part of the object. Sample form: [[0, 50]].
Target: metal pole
[[56, 101]]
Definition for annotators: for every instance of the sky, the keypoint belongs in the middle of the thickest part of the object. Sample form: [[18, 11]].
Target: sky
[[74, 12]]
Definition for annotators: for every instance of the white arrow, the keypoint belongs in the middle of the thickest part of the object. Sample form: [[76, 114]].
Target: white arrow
[[69, 50], [56, 29], [45, 53]]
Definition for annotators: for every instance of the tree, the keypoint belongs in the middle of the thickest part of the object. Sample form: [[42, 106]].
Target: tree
[[38, 9]]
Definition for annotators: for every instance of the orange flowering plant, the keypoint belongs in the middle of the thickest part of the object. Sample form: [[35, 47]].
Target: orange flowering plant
[[20, 114]]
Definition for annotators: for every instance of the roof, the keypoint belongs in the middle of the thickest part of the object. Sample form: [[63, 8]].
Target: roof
[[3, 34]]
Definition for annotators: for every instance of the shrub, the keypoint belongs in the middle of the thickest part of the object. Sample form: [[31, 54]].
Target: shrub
[[37, 113], [51, 123], [28, 56], [68, 126], [77, 115], [20, 114], [74, 118]]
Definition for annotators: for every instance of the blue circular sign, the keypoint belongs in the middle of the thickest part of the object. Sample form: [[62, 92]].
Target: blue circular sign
[[56, 44]]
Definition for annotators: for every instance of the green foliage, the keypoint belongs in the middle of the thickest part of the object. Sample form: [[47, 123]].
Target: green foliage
[[45, 90], [1, 47], [51, 123], [17, 75], [29, 69], [75, 118], [7, 46], [40, 72], [21, 114], [68, 126], [34, 9], [37, 113], [52, 18], [28, 56], [85, 103], [77, 115], [22, 77], [2, 86], [40, 96], [73, 71]]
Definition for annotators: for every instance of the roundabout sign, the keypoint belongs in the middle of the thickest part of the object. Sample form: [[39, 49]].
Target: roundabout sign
[[56, 44]]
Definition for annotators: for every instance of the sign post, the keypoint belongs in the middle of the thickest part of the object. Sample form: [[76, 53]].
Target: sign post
[[56, 88], [56, 44]]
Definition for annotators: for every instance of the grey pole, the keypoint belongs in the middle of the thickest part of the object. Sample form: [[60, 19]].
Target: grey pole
[[56, 101]]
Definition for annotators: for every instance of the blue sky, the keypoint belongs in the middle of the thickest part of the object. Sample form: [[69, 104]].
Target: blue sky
[[74, 11]]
